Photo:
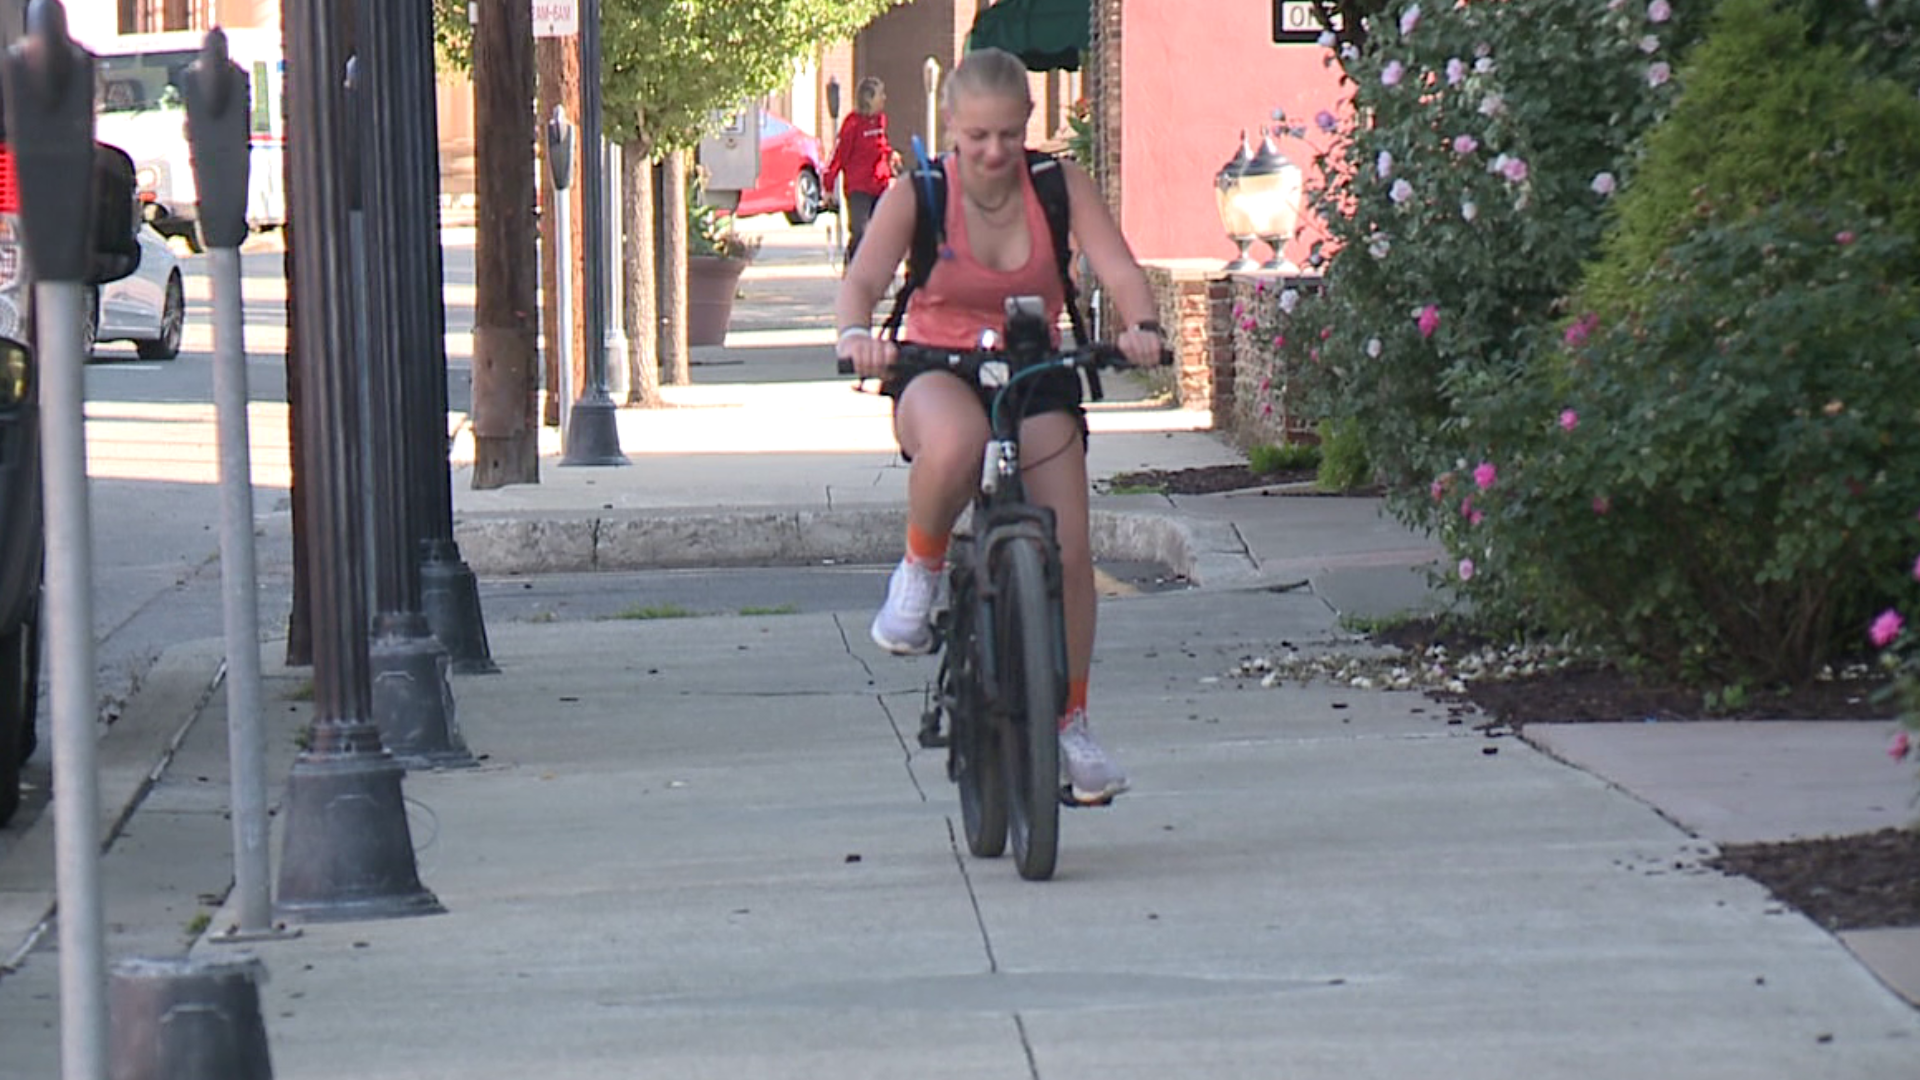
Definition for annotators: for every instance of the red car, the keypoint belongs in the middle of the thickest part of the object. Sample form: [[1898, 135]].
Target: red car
[[790, 168]]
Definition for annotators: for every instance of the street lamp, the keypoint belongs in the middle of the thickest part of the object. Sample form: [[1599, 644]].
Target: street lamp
[[1269, 194], [1227, 184]]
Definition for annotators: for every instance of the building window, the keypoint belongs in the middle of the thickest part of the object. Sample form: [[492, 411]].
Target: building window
[[149, 16]]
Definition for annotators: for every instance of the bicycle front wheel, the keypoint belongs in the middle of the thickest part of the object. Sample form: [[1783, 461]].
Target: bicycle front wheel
[[974, 750], [1032, 657]]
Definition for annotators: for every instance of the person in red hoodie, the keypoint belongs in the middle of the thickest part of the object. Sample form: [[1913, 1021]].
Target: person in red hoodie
[[862, 154]]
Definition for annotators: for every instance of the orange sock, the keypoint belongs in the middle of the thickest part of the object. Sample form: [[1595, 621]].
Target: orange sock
[[1076, 698], [925, 548]]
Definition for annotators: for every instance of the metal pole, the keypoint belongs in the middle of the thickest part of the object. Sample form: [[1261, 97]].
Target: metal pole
[[239, 580], [76, 782], [217, 132], [348, 853], [49, 112], [593, 434], [563, 251], [619, 381], [448, 591], [412, 703]]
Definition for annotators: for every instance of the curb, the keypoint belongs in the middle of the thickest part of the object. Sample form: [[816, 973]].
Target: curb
[[132, 755], [1210, 554]]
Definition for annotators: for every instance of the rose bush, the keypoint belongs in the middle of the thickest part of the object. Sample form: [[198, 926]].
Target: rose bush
[[1738, 449], [1459, 207]]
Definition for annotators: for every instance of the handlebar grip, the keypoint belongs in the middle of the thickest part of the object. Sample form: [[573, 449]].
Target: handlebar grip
[[843, 365]]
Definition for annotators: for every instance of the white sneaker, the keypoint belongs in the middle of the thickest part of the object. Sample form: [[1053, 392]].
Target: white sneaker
[[1086, 769], [903, 626]]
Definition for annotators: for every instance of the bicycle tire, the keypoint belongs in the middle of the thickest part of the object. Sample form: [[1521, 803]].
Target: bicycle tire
[[974, 748], [1032, 656]]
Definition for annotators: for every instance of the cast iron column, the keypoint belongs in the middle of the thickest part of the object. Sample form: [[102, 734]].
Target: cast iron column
[[593, 436], [448, 590], [412, 702], [348, 853]]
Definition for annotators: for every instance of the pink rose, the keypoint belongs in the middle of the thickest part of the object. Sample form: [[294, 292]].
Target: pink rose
[[1484, 475], [1429, 320], [1515, 170], [1466, 569], [1393, 73], [1916, 569], [1885, 628], [1569, 420], [1602, 504], [1465, 144], [1843, 237]]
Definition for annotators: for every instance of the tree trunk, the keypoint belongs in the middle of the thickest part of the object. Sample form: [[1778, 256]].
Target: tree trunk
[[673, 269], [642, 310], [506, 383], [558, 63]]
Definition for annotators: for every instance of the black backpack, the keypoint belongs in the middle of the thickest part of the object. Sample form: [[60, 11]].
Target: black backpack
[[930, 232]]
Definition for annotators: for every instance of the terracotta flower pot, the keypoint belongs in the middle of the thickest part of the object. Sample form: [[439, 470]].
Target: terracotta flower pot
[[712, 282]]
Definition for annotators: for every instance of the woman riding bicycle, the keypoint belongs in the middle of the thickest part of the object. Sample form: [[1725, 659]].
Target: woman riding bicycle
[[998, 246]]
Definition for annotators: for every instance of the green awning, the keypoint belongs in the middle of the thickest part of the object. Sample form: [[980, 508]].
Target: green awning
[[1047, 35]]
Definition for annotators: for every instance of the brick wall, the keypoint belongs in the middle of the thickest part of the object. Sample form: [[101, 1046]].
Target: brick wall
[[1196, 309], [1265, 404], [895, 47]]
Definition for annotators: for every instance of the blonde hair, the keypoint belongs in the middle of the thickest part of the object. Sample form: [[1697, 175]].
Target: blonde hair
[[868, 91], [988, 71]]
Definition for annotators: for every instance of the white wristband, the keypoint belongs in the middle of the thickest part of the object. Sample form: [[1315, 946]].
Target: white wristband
[[854, 331]]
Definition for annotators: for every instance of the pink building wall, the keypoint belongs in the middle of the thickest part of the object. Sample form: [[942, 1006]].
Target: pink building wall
[[1191, 83]]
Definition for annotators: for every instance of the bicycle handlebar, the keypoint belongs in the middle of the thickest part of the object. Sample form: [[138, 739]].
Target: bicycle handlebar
[[966, 362]]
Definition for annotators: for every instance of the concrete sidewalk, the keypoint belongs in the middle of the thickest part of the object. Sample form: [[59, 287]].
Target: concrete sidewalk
[[710, 846]]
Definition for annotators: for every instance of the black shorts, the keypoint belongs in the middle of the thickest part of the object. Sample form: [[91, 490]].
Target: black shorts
[[1056, 391]]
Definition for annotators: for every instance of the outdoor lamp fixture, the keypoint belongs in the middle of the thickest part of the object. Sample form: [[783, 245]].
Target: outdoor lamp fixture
[[1234, 219], [1269, 195]]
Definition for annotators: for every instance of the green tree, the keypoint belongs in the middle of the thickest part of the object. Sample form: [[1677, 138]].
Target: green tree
[[668, 67], [670, 64]]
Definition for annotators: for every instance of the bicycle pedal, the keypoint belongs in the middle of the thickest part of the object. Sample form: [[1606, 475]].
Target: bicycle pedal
[[931, 737]]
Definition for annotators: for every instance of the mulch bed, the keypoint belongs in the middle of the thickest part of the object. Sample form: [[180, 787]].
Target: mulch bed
[[1864, 881]]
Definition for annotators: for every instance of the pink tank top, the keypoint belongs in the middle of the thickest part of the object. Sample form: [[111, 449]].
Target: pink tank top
[[963, 297]]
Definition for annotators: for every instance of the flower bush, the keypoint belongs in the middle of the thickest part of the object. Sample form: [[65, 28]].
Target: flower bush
[[1460, 205], [1714, 480], [1712, 471]]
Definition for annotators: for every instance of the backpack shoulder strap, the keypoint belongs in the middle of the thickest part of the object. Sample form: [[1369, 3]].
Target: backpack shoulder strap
[[1050, 186], [929, 180]]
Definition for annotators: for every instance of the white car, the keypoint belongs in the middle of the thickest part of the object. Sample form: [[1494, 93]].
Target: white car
[[147, 307]]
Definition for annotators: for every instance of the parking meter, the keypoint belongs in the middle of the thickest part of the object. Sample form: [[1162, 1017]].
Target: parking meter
[[47, 82], [218, 136], [49, 103], [560, 135], [218, 122], [833, 98]]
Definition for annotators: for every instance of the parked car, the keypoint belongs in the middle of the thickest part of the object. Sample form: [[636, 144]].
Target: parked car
[[147, 307], [790, 168], [22, 538]]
